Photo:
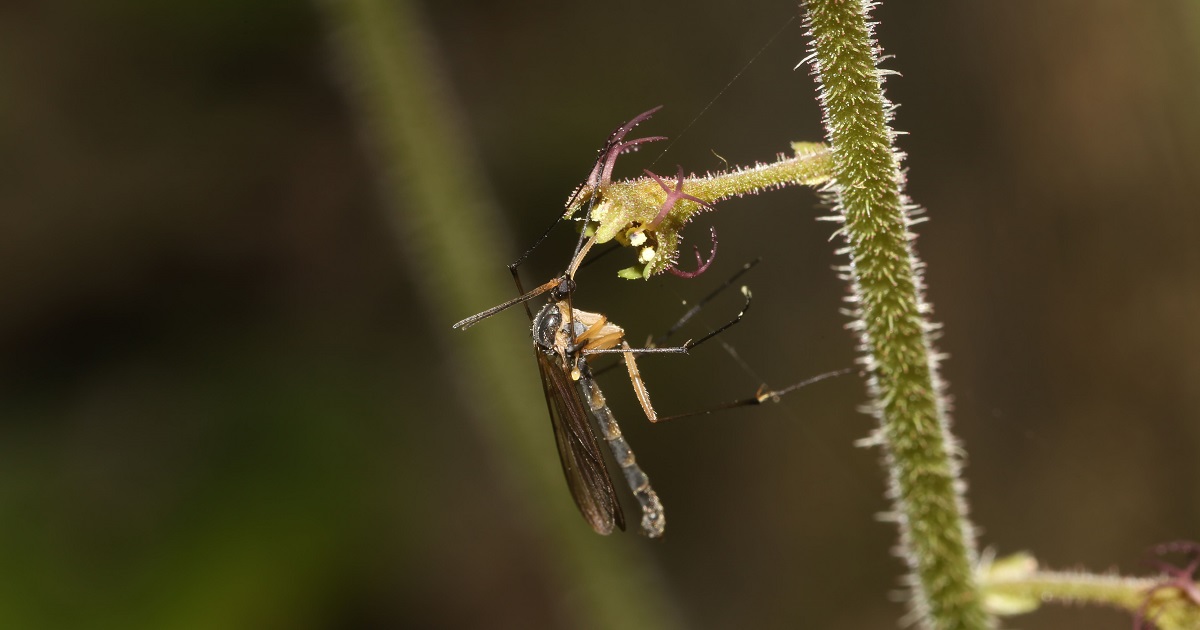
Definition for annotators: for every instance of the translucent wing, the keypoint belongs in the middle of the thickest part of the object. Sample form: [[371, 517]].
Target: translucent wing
[[579, 451]]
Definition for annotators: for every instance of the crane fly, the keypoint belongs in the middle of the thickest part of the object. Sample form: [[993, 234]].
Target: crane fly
[[564, 337]]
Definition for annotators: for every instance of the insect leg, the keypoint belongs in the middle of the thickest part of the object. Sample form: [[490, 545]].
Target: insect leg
[[681, 349], [763, 395], [639, 385]]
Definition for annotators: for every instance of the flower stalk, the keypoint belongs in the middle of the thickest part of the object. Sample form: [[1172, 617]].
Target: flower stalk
[[1014, 585], [642, 212]]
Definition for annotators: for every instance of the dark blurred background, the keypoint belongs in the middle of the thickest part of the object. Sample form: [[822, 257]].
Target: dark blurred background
[[224, 404]]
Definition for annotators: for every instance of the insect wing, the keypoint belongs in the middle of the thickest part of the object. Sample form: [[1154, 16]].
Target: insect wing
[[579, 452]]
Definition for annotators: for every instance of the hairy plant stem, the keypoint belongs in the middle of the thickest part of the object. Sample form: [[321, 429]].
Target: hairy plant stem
[[630, 206], [1068, 587], [891, 317], [1015, 585], [448, 230]]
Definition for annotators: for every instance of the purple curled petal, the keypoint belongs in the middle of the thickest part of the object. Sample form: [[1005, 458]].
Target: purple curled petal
[[701, 265], [623, 130], [602, 173]]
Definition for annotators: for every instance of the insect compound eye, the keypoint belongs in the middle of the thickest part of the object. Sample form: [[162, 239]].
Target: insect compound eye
[[564, 288]]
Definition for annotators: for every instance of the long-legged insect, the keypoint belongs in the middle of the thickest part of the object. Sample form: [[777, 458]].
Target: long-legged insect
[[564, 338]]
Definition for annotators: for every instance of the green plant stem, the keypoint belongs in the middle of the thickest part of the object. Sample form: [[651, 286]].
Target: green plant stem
[[628, 206], [1076, 588], [447, 229], [634, 201], [1167, 607], [921, 455]]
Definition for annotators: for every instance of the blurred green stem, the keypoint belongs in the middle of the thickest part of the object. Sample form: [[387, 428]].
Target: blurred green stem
[[891, 318], [447, 230]]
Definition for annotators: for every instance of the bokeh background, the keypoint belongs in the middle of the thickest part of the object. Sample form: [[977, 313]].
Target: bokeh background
[[231, 398]]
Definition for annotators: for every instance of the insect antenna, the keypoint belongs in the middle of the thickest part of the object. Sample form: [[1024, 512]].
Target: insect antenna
[[478, 317]]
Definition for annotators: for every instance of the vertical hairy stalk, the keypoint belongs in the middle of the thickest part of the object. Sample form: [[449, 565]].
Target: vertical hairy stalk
[[446, 228], [891, 317]]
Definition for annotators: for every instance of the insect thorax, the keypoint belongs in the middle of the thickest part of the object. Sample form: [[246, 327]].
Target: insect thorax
[[549, 330]]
